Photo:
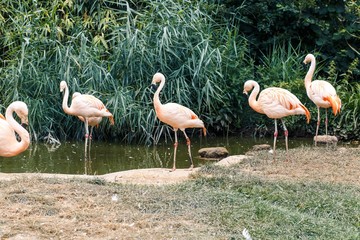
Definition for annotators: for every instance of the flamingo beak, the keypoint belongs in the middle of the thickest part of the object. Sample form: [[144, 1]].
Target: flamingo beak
[[24, 122], [153, 87], [245, 92]]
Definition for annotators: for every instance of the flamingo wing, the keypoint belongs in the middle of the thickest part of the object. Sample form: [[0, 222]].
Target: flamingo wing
[[178, 116], [279, 103], [89, 101], [90, 106], [323, 94]]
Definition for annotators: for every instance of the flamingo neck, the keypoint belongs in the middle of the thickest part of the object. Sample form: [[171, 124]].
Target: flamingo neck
[[310, 73], [254, 104], [65, 101], [157, 103], [23, 134]]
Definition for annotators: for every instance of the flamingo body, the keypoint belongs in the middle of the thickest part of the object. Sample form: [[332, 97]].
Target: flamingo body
[[93, 121], [178, 116], [321, 92], [276, 103], [9, 145], [175, 115]]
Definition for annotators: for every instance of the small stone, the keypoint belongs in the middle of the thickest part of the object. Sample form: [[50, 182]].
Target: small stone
[[261, 147], [326, 139], [213, 152]]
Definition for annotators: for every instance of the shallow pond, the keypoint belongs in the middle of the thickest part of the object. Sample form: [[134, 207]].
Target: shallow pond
[[107, 157]]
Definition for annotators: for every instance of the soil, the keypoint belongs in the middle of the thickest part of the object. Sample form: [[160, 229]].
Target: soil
[[57, 206]]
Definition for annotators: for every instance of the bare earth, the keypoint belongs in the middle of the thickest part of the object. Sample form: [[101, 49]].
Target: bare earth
[[58, 206]]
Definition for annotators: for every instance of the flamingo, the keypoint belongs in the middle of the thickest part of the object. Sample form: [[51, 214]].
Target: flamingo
[[92, 121], [9, 145], [85, 107], [175, 115], [322, 93], [276, 103]]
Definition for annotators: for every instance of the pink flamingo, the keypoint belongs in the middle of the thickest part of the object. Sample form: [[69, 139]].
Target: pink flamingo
[[92, 121], [275, 103], [9, 145], [85, 106], [322, 93], [175, 115]]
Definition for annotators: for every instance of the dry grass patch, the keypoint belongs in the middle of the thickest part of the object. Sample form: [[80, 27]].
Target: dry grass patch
[[332, 165], [295, 200]]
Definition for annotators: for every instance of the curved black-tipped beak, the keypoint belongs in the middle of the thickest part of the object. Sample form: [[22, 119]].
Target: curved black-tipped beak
[[153, 87], [24, 125]]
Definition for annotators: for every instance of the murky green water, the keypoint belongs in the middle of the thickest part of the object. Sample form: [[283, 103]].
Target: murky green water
[[108, 157]]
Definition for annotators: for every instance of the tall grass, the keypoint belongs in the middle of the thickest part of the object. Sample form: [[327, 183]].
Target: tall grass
[[347, 125], [111, 50]]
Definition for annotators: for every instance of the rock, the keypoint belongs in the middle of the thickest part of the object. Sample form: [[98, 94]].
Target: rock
[[261, 147], [326, 139], [231, 160], [213, 152], [257, 148]]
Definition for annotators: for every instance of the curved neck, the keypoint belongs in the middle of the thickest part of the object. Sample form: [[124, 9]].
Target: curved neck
[[252, 98], [23, 134], [157, 102], [65, 101], [310, 73]]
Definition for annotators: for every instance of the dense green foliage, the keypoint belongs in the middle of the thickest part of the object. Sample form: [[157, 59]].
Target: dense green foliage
[[206, 50]]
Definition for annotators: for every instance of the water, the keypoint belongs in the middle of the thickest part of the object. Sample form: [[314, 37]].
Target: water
[[107, 157]]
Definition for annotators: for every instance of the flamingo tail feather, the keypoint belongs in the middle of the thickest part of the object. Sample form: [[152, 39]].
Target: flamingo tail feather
[[307, 113], [335, 103]]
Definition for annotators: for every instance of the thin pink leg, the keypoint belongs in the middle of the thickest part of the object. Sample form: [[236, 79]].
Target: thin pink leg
[[317, 126], [326, 121], [275, 137], [86, 136], [175, 148], [188, 143], [286, 133]]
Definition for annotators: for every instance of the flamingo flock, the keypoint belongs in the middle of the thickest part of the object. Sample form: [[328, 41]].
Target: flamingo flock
[[276, 103]]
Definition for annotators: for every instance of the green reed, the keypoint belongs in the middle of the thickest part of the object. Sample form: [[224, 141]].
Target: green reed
[[111, 49]]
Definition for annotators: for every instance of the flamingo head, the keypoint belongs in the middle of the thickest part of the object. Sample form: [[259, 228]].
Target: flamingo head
[[248, 86], [63, 85], [22, 111], [309, 58], [158, 77]]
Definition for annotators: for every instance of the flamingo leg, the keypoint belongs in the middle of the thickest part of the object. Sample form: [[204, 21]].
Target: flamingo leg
[[86, 136], [286, 134], [326, 121], [175, 148], [90, 137], [317, 126], [275, 136], [87, 165], [188, 143]]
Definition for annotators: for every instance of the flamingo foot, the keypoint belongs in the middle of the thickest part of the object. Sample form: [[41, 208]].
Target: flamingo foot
[[191, 167]]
